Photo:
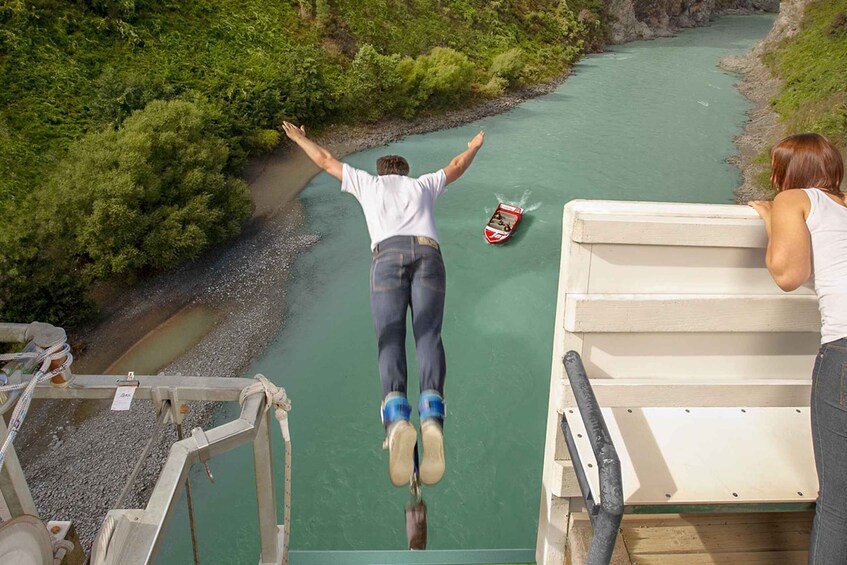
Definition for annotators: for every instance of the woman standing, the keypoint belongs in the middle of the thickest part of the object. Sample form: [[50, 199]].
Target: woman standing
[[807, 234]]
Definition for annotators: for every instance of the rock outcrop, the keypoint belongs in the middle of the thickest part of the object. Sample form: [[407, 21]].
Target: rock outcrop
[[646, 19]]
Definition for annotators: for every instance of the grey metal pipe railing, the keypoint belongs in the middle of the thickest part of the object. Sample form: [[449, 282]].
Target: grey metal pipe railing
[[145, 535], [13, 333], [606, 516], [150, 387], [138, 537], [44, 335]]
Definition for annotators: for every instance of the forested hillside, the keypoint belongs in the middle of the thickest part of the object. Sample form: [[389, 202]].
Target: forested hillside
[[125, 124]]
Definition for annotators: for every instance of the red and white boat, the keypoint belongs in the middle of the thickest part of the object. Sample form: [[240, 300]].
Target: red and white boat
[[503, 222]]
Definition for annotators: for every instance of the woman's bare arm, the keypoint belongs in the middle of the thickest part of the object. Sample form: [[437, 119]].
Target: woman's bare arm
[[789, 255]]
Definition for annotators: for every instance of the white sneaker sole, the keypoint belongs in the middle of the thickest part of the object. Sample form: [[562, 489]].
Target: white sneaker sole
[[401, 449], [432, 466]]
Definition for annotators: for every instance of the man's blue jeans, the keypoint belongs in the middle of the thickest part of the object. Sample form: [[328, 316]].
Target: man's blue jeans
[[828, 545], [408, 272]]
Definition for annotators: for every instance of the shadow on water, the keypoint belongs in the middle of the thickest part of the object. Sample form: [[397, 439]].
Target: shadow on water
[[522, 229]]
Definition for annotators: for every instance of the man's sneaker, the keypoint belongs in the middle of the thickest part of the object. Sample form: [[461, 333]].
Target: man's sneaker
[[431, 410], [432, 466], [400, 441]]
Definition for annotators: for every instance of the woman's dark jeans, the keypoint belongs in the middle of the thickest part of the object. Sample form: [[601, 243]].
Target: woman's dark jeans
[[408, 272], [829, 434]]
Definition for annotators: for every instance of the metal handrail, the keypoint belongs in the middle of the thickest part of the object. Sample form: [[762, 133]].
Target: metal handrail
[[606, 516], [137, 536], [138, 540]]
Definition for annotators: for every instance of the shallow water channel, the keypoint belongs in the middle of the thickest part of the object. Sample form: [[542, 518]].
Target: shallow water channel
[[644, 121]]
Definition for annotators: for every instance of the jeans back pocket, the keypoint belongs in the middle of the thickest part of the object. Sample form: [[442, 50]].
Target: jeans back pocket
[[432, 274], [387, 272]]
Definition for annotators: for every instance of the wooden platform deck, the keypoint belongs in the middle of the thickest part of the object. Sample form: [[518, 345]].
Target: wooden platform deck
[[738, 539]]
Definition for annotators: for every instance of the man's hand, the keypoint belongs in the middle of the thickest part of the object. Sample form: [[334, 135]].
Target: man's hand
[[293, 132], [320, 156], [461, 162], [477, 141]]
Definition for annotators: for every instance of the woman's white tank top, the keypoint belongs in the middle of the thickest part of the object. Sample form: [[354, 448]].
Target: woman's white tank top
[[827, 222]]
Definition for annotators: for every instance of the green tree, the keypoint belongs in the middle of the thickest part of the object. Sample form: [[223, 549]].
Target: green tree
[[117, 95], [146, 196], [35, 282], [509, 66], [373, 87], [442, 78]]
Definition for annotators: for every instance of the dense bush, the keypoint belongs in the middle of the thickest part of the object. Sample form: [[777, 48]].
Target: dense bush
[[37, 281], [495, 87], [439, 79], [509, 66], [146, 196], [117, 95], [373, 87]]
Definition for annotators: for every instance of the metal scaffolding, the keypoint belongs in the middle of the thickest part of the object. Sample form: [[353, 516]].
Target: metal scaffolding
[[136, 535]]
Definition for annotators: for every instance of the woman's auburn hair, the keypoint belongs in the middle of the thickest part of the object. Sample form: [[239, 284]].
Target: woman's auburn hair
[[806, 160]]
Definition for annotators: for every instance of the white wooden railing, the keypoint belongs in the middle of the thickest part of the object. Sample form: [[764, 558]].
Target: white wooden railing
[[675, 301]]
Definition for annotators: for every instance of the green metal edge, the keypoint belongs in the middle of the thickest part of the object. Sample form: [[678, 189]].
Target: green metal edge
[[719, 508], [428, 557]]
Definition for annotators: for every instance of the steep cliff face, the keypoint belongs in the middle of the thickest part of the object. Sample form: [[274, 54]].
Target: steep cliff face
[[646, 19]]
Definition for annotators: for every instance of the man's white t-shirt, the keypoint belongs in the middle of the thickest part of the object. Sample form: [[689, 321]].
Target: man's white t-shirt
[[395, 204]]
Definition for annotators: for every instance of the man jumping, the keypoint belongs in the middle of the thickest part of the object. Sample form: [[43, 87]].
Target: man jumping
[[407, 272]]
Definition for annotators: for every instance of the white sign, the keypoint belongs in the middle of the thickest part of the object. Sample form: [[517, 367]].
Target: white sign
[[123, 397]]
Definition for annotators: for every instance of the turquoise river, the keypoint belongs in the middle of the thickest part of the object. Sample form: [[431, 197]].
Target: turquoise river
[[644, 121]]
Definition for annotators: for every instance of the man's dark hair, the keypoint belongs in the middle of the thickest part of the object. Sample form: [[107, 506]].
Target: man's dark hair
[[392, 165]]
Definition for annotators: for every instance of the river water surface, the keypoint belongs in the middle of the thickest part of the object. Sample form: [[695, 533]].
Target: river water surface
[[644, 121]]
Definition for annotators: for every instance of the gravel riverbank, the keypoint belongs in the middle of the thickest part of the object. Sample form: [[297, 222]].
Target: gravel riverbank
[[760, 86]]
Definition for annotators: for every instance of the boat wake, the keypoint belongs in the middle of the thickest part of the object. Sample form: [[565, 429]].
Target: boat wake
[[522, 203]]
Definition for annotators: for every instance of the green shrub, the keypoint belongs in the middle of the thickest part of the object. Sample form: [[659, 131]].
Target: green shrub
[[117, 95], [129, 200], [373, 87], [146, 196], [263, 140], [509, 66], [36, 281], [495, 87], [261, 89], [123, 9], [45, 291], [439, 79]]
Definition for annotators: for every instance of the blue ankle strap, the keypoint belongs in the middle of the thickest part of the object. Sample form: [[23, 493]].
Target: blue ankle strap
[[431, 405], [395, 408]]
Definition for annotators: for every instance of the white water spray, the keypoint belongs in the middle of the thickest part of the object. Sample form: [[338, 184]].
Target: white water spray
[[522, 203]]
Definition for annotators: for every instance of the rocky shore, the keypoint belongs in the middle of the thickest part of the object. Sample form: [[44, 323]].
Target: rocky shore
[[648, 19], [77, 455], [759, 85]]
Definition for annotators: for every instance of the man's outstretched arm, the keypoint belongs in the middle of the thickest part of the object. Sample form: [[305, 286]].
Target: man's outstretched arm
[[462, 161], [321, 157]]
